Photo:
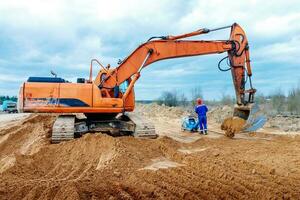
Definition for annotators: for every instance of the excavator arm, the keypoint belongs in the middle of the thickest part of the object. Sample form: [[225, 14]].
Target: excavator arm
[[167, 47]]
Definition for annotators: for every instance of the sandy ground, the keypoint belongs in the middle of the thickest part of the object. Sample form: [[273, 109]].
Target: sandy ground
[[9, 119], [177, 165]]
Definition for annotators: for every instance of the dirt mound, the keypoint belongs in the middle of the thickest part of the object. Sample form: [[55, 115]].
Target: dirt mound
[[219, 114], [155, 110], [98, 166], [102, 167], [24, 137], [232, 125], [285, 123]]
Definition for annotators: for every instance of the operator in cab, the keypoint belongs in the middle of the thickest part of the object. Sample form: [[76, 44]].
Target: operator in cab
[[201, 110]]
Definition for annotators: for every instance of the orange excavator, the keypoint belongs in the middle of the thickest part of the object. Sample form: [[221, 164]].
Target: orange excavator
[[106, 99]]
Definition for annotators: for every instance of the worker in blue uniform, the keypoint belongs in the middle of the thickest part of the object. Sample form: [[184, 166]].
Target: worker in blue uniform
[[201, 110]]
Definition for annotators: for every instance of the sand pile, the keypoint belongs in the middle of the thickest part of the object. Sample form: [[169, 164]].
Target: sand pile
[[102, 167], [155, 110], [219, 114], [24, 137], [99, 166], [285, 123], [232, 125]]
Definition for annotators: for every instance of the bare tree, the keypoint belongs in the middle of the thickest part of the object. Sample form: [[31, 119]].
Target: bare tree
[[183, 100], [227, 100], [260, 98], [169, 98], [278, 101], [196, 92], [293, 100]]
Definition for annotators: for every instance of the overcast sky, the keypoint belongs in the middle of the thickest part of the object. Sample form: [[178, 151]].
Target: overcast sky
[[63, 36]]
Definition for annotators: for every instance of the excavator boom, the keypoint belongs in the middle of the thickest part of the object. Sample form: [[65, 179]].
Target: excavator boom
[[161, 50]]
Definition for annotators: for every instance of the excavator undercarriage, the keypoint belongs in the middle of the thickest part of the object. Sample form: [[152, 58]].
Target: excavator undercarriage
[[67, 127]]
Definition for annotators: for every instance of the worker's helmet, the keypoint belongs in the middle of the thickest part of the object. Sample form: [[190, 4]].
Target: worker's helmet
[[199, 101]]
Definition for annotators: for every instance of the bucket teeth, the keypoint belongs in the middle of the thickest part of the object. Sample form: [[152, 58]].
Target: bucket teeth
[[255, 119], [255, 124]]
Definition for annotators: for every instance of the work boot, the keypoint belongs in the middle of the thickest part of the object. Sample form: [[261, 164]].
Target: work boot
[[205, 132], [201, 132]]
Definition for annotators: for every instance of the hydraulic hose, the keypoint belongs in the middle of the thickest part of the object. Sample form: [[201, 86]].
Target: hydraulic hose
[[219, 65]]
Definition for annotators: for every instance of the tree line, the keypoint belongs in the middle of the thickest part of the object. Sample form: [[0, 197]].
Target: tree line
[[276, 103], [11, 98]]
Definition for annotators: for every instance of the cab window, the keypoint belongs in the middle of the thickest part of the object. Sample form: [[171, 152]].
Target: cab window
[[124, 86]]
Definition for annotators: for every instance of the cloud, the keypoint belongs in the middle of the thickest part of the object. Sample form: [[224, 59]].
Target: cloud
[[279, 25], [8, 78], [287, 51], [62, 35], [176, 70]]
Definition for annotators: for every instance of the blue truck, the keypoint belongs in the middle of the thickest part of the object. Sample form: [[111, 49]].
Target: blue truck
[[9, 106]]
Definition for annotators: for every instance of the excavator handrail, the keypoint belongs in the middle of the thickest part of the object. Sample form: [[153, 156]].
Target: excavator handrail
[[91, 69], [191, 34]]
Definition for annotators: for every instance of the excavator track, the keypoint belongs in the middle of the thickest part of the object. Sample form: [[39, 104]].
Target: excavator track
[[144, 128], [63, 128]]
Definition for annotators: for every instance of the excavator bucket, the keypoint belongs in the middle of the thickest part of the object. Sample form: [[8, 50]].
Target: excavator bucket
[[253, 116]]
